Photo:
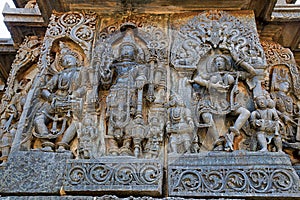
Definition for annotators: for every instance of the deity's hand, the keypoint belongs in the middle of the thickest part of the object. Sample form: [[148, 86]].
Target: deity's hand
[[191, 124], [191, 81], [259, 123], [218, 86], [287, 119]]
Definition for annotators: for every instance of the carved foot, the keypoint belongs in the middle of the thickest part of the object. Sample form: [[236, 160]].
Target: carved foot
[[46, 149], [263, 150], [61, 149], [219, 144], [3, 164], [218, 148], [280, 151]]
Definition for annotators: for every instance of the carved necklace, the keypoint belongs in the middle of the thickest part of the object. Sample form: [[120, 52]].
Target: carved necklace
[[65, 79], [176, 114]]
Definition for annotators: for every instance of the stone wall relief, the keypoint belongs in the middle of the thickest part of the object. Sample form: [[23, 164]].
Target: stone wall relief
[[218, 85], [124, 85], [61, 101], [265, 121], [55, 105], [282, 82], [222, 68], [136, 92], [19, 82], [180, 126]]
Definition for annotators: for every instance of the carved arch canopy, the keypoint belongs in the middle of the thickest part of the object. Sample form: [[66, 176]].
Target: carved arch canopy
[[216, 30], [277, 55]]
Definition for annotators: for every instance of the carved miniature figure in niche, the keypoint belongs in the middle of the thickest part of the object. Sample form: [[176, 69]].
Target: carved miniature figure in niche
[[87, 134], [154, 138], [221, 86], [10, 117], [63, 96], [284, 104], [125, 103], [180, 125], [8, 129], [266, 122]]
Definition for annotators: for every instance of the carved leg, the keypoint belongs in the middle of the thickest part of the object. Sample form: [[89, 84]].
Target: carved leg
[[70, 133], [212, 130], [125, 149], [113, 148], [262, 141], [187, 146], [278, 143], [173, 143], [40, 125], [244, 114]]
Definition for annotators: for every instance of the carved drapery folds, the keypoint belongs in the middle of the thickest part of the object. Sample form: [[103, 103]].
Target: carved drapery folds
[[129, 95]]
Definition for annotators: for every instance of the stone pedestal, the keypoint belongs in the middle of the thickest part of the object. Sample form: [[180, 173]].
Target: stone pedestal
[[236, 174], [114, 175], [34, 172]]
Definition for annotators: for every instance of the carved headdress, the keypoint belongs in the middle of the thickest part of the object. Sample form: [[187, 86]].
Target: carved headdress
[[64, 50], [279, 76], [128, 40]]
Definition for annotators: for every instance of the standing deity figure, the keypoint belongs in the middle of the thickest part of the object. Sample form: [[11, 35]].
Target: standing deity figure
[[125, 101], [180, 125], [266, 121], [63, 95], [284, 104], [221, 86]]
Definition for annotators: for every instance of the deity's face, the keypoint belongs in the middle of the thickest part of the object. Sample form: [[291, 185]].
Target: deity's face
[[127, 52], [284, 86], [261, 102], [68, 61], [220, 63]]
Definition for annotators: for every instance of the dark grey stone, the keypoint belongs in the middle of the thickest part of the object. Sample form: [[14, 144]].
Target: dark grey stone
[[34, 172], [116, 175], [237, 174]]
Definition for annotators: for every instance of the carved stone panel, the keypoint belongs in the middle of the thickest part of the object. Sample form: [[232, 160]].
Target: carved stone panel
[[112, 175], [34, 172], [188, 104], [240, 174]]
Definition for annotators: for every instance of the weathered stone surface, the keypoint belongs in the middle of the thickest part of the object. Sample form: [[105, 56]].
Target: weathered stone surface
[[123, 104], [297, 168], [114, 175], [105, 197], [239, 174], [34, 172]]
